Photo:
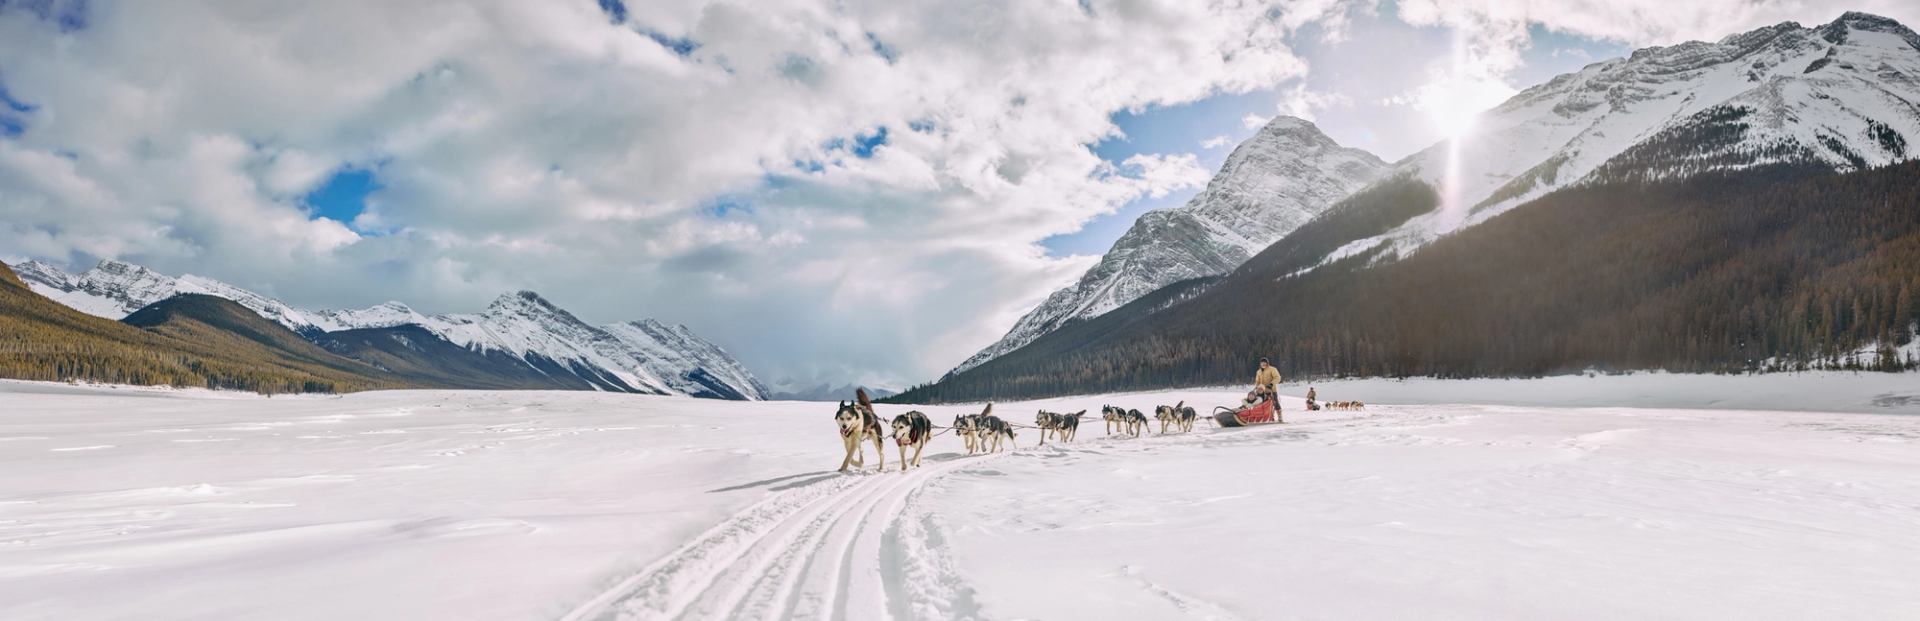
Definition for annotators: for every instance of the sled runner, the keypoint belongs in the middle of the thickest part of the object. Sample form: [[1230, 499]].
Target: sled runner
[[1262, 413]]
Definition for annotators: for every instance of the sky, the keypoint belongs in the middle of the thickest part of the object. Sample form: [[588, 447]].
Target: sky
[[833, 190]]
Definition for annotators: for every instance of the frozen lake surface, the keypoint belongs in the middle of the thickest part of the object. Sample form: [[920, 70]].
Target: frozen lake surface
[[144, 503]]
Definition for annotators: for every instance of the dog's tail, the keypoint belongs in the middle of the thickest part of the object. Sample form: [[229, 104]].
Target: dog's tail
[[860, 394], [988, 411], [1177, 406]]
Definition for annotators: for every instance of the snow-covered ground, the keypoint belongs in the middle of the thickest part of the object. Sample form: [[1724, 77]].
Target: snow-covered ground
[[140, 503], [1820, 391]]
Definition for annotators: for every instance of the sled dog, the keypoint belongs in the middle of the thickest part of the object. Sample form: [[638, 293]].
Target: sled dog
[[967, 426], [992, 431], [859, 424], [1115, 418], [912, 429], [1177, 416], [1136, 422], [1063, 426]]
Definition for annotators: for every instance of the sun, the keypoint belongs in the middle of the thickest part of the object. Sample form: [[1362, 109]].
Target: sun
[[1459, 90], [1454, 103]]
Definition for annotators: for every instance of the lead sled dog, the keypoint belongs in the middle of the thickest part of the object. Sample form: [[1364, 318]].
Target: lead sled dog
[[859, 424]]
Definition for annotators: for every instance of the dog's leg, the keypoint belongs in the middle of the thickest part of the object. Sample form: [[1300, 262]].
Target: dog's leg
[[858, 449], [917, 449], [880, 448], [848, 442], [903, 459]]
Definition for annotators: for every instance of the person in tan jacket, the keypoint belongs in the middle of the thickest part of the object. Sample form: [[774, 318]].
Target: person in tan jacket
[[1266, 382]]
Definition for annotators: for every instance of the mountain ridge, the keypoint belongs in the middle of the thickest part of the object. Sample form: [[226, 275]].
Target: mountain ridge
[[1276, 180], [646, 356]]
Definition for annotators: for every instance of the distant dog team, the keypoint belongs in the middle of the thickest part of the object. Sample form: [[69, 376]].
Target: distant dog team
[[986, 433]]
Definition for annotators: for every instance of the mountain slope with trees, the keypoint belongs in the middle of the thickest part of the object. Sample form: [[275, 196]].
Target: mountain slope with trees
[[195, 343], [1775, 268]]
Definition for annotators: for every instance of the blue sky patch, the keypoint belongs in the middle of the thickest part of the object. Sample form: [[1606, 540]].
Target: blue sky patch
[[13, 112], [68, 15], [344, 195], [864, 144], [616, 10], [683, 46], [724, 206]]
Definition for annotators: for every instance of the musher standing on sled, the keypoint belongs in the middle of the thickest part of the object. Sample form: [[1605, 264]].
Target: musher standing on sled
[[1266, 382]]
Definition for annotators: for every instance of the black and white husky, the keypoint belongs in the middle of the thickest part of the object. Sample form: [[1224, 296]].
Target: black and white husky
[[858, 424], [967, 426], [911, 429], [990, 431], [1062, 426], [1115, 418], [1136, 423], [1177, 416]]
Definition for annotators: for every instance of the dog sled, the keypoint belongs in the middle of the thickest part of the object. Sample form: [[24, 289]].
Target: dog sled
[[1266, 412]]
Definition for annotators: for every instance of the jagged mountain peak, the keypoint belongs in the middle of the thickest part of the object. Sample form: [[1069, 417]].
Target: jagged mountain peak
[[526, 302], [122, 271], [1284, 127], [1272, 183], [1868, 22], [36, 269]]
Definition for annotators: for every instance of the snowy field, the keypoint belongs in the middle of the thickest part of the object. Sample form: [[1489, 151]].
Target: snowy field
[[157, 504]]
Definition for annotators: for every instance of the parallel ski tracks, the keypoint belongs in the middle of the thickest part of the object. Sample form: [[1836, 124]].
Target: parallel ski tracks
[[814, 552]]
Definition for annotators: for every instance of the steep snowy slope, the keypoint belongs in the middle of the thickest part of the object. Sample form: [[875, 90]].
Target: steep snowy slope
[[110, 290], [1277, 180], [643, 356], [1845, 95], [687, 363], [115, 289]]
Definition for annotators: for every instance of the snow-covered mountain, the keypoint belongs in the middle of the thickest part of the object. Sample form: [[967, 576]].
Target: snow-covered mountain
[[640, 356], [1283, 176], [1844, 95], [114, 289]]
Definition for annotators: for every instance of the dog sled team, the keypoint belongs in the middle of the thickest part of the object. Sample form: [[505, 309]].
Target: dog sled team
[[1313, 402], [988, 433]]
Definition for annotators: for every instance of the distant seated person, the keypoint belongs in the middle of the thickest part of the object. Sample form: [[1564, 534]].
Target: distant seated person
[[1266, 382]]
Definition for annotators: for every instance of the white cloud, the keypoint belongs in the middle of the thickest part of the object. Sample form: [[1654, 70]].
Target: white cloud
[[1215, 142], [1300, 102], [536, 144], [1254, 121]]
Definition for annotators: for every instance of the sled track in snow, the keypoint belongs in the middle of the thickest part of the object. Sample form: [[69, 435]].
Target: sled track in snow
[[854, 546]]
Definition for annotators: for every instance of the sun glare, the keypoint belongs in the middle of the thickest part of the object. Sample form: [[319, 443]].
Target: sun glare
[[1458, 92]]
